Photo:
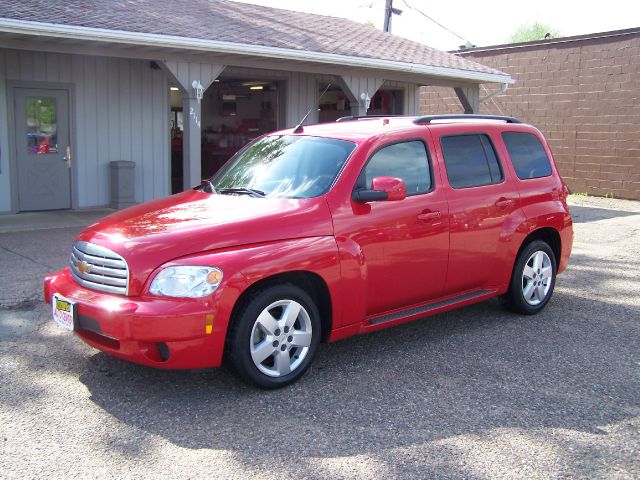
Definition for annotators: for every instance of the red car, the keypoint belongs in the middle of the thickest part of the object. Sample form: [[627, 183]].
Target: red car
[[320, 233]]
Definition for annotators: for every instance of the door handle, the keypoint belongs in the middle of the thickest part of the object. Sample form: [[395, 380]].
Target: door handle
[[425, 217], [503, 203], [67, 157]]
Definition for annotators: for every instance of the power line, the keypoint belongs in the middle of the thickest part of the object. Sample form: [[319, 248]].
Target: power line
[[434, 21]]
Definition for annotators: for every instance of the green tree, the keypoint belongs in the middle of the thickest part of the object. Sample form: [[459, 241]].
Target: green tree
[[530, 32]]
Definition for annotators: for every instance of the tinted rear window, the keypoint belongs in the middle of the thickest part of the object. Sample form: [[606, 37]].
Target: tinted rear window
[[470, 161], [527, 155]]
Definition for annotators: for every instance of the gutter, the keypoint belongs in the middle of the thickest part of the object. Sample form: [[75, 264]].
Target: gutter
[[551, 41], [23, 27]]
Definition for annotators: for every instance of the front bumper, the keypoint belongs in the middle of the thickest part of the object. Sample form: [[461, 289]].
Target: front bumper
[[173, 333]]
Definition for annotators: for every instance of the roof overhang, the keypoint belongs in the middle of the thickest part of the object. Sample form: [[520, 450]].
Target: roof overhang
[[100, 35]]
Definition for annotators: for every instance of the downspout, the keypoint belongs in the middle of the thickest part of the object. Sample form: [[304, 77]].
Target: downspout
[[503, 90]]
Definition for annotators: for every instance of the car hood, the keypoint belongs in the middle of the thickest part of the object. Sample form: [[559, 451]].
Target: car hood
[[153, 233]]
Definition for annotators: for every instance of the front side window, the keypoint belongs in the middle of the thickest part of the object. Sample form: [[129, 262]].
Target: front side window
[[470, 161], [527, 155], [407, 161], [285, 166]]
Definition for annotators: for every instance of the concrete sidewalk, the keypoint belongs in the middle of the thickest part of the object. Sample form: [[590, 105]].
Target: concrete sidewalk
[[28, 221], [33, 245]]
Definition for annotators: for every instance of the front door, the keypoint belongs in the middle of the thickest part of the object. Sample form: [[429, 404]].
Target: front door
[[403, 244], [43, 150]]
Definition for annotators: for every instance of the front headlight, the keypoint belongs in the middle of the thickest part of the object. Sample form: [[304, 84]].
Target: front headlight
[[186, 281]]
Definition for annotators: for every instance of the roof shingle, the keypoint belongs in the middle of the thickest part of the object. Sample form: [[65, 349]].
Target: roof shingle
[[227, 21]]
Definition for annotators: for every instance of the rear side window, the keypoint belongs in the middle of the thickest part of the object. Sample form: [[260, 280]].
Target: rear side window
[[527, 155], [470, 161], [406, 160]]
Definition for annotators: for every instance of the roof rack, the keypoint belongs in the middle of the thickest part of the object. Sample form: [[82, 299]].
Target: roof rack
[[365, 117], [430, 118]]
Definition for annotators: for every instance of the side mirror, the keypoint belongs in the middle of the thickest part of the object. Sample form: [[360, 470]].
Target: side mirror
[[395, 188], [382, 188]]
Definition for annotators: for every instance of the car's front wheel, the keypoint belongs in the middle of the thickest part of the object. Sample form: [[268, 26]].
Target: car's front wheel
[[275, 336], [533, 279]]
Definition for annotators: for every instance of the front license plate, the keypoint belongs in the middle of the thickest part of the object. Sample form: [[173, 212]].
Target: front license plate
[[64, 311]]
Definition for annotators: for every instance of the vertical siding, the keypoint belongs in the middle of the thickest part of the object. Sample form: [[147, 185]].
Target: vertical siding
[[91, 132], [120, 113], [412, 100], [301, 96], [101, 123], [187, 72], [5, 179], [358, 85], [137, 120]]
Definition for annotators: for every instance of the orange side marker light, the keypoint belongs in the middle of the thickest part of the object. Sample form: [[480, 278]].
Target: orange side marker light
[[208, 324]]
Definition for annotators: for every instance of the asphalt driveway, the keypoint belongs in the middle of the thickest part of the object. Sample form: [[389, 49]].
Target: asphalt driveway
[[475, 393]]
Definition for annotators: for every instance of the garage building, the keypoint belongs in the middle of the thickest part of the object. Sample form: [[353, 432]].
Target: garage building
[[178, 87]]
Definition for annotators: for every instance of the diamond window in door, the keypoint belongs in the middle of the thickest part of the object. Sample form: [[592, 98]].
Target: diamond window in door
[[42, 128]]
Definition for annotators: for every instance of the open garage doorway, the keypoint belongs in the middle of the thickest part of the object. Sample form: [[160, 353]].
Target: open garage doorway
[[234, 112], [335, 103]]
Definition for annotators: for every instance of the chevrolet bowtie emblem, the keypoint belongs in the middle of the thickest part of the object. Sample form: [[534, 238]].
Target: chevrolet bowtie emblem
[[83, 267]]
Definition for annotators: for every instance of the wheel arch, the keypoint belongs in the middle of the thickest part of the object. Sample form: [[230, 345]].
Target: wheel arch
[[312, 283], [547, 234], [515, 301]]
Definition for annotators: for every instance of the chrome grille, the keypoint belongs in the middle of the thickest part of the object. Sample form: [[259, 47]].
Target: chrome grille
[[99, 268]]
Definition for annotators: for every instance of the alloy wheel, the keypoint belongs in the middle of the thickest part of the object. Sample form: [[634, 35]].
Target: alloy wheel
[[280, 338], [536, 278]]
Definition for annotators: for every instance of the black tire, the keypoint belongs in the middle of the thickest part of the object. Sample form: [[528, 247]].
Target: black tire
[[243, 334], [515, 297]]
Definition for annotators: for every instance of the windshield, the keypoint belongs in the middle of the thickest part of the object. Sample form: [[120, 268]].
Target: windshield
[[285, 166]]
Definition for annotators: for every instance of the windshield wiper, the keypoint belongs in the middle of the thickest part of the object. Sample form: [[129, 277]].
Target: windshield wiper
[[207, 183], [243, 191]]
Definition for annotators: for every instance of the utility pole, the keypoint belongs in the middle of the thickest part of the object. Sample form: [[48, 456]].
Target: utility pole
[[388, 12], [388, 6]]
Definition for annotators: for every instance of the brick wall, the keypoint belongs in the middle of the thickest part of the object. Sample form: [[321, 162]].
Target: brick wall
[[584, 94]]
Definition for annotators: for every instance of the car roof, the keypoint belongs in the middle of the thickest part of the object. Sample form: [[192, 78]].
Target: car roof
[[359, 129]]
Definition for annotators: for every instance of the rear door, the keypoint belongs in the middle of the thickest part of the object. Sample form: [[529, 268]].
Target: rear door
[[481, 198]]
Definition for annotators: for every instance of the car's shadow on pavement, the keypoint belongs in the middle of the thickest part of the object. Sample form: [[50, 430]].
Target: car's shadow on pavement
[[465, 372], [582, 214]]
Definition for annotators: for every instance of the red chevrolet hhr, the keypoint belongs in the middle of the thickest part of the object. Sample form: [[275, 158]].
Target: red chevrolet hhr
[[319, 233]]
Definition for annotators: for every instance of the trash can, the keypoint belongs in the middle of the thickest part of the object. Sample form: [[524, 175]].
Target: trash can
[[122, 184]]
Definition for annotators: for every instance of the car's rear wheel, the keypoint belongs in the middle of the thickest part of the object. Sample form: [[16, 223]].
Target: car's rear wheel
[[533, 279], [275, 336]]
